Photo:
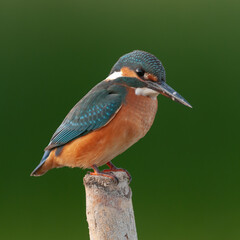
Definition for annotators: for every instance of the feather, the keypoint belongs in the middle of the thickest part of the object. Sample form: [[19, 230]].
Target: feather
[[94, 111]]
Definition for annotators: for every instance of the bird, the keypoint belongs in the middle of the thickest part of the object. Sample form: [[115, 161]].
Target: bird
[[111, 117]]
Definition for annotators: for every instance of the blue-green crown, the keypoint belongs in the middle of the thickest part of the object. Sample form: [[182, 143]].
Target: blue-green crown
[[140, 59]]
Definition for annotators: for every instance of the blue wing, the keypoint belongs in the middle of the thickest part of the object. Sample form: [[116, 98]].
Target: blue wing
[[94, 111]]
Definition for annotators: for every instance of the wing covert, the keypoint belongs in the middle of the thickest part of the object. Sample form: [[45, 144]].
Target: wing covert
[[94, 111]]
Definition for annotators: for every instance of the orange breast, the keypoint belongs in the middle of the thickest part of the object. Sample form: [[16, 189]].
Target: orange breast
[[130, 124]]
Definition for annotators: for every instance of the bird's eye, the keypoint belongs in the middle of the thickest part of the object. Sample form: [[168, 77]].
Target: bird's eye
[[140, 72]]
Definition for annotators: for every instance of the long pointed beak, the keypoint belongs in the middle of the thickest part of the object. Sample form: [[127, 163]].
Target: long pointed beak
[[169, 92]]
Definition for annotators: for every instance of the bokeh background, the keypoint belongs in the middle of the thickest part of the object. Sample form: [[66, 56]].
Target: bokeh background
[[186, 181]]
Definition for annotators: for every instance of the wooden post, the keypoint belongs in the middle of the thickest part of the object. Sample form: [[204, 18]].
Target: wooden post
[[109, 208]]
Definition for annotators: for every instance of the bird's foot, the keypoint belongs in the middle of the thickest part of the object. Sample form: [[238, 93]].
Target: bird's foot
[[113, 168], [118, 170], [97, 172]]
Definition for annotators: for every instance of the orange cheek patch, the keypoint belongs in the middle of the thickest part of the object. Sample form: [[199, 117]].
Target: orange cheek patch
[[126, 72], [151, 77]]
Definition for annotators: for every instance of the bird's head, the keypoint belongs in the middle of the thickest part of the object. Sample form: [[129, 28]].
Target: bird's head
[[149, 74]]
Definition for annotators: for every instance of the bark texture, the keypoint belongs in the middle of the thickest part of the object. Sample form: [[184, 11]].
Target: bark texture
[[109, 208]]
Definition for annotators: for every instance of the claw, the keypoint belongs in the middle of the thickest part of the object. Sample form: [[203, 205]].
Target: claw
[[108, 175], [113, 168], [97, 172]]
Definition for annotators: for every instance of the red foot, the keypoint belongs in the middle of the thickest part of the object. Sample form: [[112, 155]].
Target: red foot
[[113, 168], [97, 172]]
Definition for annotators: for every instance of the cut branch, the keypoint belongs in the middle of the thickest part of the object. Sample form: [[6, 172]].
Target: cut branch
[[109, 208]]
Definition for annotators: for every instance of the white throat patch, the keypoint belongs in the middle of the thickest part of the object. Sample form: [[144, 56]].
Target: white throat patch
[[147, 92], [114, 76]]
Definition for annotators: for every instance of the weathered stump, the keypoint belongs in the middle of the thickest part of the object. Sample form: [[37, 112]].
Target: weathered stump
[[109, 208]]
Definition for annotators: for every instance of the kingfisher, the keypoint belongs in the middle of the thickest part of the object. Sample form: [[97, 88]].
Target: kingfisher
[[111, 117]]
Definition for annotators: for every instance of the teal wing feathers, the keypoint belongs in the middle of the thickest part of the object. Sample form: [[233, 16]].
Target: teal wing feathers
[[94, 111]]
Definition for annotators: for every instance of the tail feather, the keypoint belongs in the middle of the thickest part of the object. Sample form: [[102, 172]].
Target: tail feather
[[44, 158]]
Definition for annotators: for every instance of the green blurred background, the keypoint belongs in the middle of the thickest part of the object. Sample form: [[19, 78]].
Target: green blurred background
[[185, 171]]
